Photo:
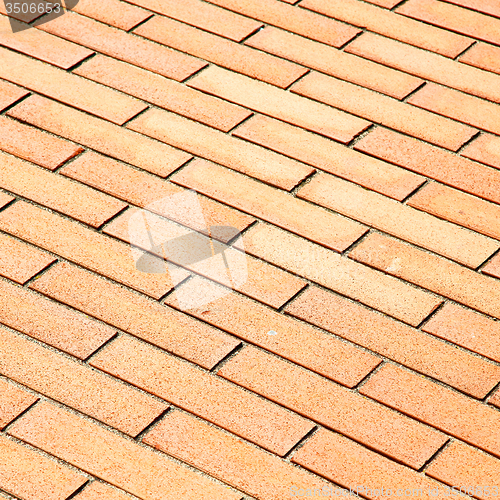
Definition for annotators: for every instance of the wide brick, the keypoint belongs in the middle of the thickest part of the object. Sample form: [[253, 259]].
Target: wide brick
[[396, 341], [333, 406], [292, 339], [100, 135], [384, 110], [136, 314], [493, 267], [163, 92], [124, 46], [483, 56], [334, 62], [13, 402], [33, 476], [279, 103], [101, 491], [465, 418], [109, 456], [486, 149], [327, 155], [487, 6], [228, 458], [9, 94], [378, 290], [203, 394], [399, 220], [433, 162]]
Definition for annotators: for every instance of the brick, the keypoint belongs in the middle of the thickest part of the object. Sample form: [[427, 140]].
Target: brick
[[31, 475], [228, 458], [26, 17], [432, 162], [77, 385], [71, 89], [427, 65], [486, 149], [493, 267], [483, 56], [458, 415], [163, 92], [430, 271], [35, 145], [329, 156], [270, 204], [378, 290], [495, 399], [388, 4], [5, 199], [384, 110], [99, 491], [399, 220], [123, 46], [487, 6], [203, 394], [56, 192], [392, 25], [9, 94], [109, 456], [279, 103], [333, 406], [294, 340], [100, 135], [136, 314], [458, 207], [13, 402], [50, 322], [334, 62]]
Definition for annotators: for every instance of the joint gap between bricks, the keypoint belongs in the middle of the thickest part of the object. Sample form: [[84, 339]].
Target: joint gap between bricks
[[165, 296], [435, 454], [302, 183], [466, 143], [251, 34], [18, 417], [196, 73], [430, 315], [457, 57], [80, 63], [106, 223], [301, 442], [101, 347], [233, 128], [355, 243], [39, 273], [11, 202], [346, 43], [79, 490], [132, 118], [287, 88], [487, 261], [485, 399], [369, 375], [15, 103], [413, 92], [70, 160], [152, 424], [10, 495], [360, 136], [130, 30], [399, 4], [292, 298], [227, 357], [415, 191], [180, 167]]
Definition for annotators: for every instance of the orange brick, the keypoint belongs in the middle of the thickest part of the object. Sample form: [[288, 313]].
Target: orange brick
[[270, 204], [495, 398], [396, 341], [111, 457], [228, 458], [100, 491], [399, 220], [378, 290], [294, 340], [279, 103], [221, 51], [13, 402], [203, 394], [77, 385], [333, 406], [31, 475], [487, 6], [388, 4], [433, 162], [486, 149], [392, 25], [456, 414], [26, 17], [5, 199], [334, 62], [483, 56], [9, 94], [493, 267], [330, 156], [384, 110], [136, 314], [123, 46], [100, 135]]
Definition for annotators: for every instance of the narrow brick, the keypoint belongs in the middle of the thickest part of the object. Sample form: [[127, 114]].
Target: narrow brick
[[493, 267], [483, 56], [13, 402], [99, 491], [486, 149], [9, 94], [279, 103], [495, 399], [109, 456]]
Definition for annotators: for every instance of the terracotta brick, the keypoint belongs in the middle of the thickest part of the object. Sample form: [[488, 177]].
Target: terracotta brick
[[50, 322], [102, 491], [378, 290], [26, 17], [329, 156], [395, 341], [228, 458], [495, 398], [384, 110], [123, 46], [5, 199], [399, 220], [334, 62], [483, 56], [487, 6], [56, 192], [72, 89], [270, 204], [486, 149], [294, 340], [9, 94], [31, 475], [136, 314], [493, 267], [13, 402], [333, 406], [279, 103], [459, 207], [458, 415], [163, 92], [76, 385], [203, 394], [388, 4], [433, 162], [100, 135], [111, 457], [392, 25], [427, 65]]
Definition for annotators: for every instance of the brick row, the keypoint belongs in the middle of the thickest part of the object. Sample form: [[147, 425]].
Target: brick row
[[13, 402], [9, 94]]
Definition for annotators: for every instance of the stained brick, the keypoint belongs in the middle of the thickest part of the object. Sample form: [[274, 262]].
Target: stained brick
[[13, 402]]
